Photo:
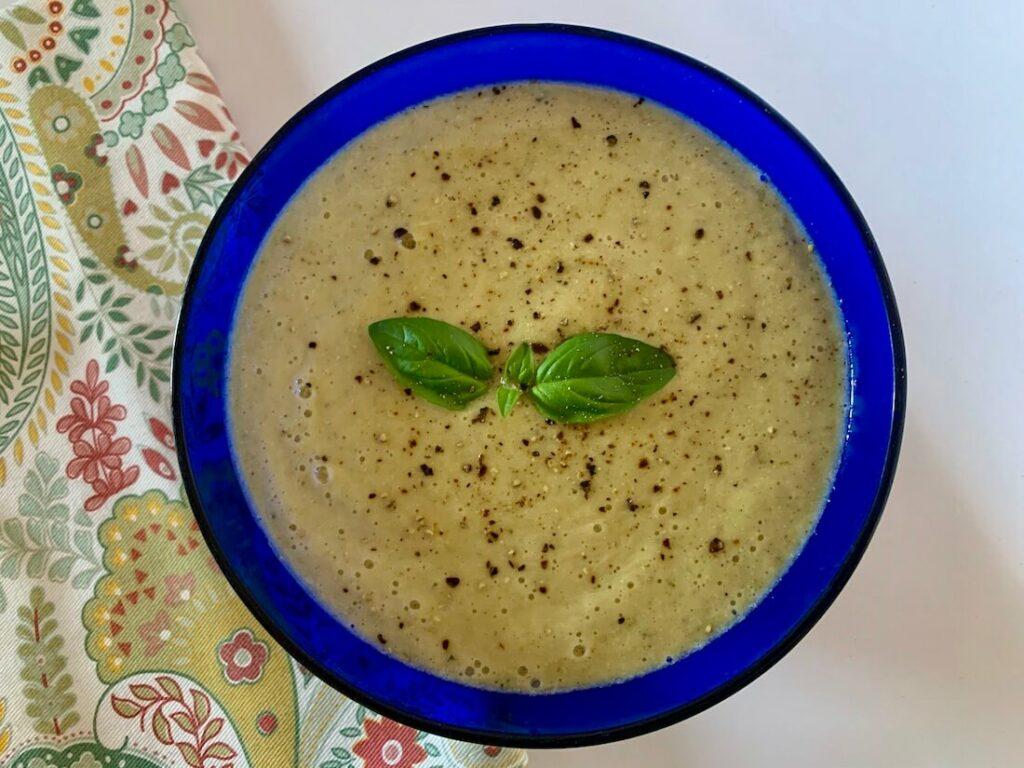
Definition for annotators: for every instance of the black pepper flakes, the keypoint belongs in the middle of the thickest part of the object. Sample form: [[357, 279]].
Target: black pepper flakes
[[475, 230], [452, 581], [560, 268], [415, 306], [515, 242], [446, 177], [495, 201], [716, 545], [445, 644], [427, 470], [539, 348], [588, 238], [695, 317], [699, 234], [575, 122], [633, 506], [612, 139], [400, 232], [312, 345], [475, 327], [537, 213]]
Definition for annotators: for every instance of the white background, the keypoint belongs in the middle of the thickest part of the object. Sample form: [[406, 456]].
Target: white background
[[919, 107]]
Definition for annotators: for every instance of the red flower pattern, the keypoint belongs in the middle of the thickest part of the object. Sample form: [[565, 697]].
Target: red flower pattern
[[155, 633], [229, 157], [92, 431], [180, 587], [387, 744], [242, 657]]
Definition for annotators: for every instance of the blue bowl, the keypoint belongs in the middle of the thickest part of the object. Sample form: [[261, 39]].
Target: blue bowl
[[319, 640]]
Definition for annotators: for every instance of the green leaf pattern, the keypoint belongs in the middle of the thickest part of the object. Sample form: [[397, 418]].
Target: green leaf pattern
[[25, 312], [43, 541], [48, 687]]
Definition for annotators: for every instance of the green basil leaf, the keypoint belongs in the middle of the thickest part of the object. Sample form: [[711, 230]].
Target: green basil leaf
[[517, 377], [442, 364], [596, 375]]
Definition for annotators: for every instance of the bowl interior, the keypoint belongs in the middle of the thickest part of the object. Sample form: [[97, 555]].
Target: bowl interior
[[319, 640]]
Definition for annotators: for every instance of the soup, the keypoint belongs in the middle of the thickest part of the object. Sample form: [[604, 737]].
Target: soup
[[517, 552]]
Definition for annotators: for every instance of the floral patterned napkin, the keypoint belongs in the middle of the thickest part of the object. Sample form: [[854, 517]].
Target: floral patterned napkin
[[122, 643]]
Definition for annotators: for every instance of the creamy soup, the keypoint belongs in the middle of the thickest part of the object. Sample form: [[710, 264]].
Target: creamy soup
[[513, 552]]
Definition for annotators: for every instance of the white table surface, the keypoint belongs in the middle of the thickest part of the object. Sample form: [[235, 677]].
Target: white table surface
[[920, 109]]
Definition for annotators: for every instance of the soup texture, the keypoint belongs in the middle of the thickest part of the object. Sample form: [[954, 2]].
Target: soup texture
[[514, 552]]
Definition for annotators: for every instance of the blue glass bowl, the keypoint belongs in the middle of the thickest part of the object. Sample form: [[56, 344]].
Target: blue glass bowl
[[559, 53]]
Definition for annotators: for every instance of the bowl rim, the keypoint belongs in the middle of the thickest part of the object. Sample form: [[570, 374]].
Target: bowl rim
[[731, 685]]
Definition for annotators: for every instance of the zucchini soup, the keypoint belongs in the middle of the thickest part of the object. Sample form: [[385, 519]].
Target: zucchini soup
[[617, 517]]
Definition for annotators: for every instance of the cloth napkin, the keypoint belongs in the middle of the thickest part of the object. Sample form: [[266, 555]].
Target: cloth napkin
[[122, 644]]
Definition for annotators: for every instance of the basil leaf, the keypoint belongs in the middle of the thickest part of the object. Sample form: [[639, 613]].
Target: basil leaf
[[517, 377], [596, 375], [442, 364]]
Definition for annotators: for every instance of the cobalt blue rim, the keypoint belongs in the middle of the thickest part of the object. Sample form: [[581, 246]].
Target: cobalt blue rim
[[507, 719]]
